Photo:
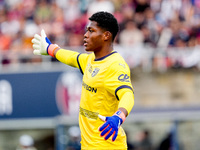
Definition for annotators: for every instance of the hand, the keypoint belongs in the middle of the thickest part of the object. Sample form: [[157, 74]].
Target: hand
[[111, 126], [41, 44]]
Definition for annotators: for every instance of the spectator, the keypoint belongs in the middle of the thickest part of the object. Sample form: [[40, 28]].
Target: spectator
[[26, 142], [74, 142], [100, 5], [141, 5], [132, 38], [166, 143], [43, 12], [145, 141], [152, 20], [130, 144], [131, 35]]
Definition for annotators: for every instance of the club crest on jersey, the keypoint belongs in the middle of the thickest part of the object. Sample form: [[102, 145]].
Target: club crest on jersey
[[95, 71]]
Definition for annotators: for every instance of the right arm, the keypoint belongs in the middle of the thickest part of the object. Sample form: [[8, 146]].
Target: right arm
[[71, 58], [67, 57], [43, 46]]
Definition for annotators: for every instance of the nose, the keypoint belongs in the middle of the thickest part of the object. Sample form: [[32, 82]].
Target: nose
[[86, 34]]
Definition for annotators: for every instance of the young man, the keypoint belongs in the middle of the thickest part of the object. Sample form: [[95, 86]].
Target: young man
[[106, 86]]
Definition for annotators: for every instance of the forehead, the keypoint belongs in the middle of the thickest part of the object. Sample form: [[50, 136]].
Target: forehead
[[93, 24]]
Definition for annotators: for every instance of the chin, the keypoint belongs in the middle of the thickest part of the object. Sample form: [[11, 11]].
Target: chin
[[88, 50]]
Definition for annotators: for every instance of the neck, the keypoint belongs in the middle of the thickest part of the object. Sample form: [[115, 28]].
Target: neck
[[103, 52]]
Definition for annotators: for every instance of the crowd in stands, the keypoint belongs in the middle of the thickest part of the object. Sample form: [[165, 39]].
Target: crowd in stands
[[159, 24]]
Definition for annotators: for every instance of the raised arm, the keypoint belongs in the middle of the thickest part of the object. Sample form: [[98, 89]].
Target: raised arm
[[43, 46]]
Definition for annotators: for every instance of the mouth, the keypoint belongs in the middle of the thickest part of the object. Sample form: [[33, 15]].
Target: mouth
[[85, 43]]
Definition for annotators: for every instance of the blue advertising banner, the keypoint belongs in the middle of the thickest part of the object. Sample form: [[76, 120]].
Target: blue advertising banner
[[37, 95]]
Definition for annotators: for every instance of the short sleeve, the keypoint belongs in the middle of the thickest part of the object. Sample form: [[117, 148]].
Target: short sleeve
[[117, 77]]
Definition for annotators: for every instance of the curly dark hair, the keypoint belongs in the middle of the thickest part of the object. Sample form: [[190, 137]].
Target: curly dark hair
[[106, 21]]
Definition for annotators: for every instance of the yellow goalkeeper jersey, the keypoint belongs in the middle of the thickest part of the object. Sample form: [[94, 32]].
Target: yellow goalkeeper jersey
[[102, 78]]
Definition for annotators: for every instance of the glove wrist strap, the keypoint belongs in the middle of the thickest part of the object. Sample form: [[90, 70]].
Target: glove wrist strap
[[51, 49], [120, 114]]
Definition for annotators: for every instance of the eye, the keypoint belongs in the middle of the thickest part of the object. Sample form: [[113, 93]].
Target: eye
[[90, 30]]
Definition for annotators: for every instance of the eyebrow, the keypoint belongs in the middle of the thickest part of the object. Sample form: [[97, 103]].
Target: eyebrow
[[89, 27]]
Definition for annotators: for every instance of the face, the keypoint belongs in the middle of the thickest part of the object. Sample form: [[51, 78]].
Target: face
[[93, 38]]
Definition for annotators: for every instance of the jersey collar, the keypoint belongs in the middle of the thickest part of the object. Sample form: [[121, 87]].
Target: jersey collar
[[105, 56]]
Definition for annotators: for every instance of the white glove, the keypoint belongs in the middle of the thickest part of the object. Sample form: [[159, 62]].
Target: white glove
[[40, 43]]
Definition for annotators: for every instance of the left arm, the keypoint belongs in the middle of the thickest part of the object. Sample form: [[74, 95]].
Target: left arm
[[126, 100], [112, 124], [124, 93]]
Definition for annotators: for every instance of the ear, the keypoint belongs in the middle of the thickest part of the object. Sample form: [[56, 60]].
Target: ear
[[107, 35]]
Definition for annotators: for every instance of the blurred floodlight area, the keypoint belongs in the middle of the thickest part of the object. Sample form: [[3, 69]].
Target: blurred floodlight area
[[39, 96]]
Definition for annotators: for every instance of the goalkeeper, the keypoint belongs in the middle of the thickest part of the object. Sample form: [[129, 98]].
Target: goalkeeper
[[107, 94]]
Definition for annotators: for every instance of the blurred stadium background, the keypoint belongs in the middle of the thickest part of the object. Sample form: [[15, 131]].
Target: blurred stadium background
[[160, 41]]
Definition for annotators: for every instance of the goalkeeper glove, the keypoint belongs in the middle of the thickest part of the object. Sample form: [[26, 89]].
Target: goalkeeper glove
[[112, 124], [42, 45]]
